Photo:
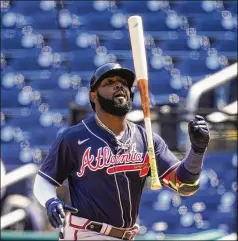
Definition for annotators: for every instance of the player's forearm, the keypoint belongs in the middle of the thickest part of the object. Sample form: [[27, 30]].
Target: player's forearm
[[190, 167], [188, 173], [185, 178], [43, 190]]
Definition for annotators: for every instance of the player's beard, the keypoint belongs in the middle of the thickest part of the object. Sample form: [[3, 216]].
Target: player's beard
[[110, 106]]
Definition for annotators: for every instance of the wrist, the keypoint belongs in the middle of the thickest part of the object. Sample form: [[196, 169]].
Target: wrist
[[198, 150], [47, 204]]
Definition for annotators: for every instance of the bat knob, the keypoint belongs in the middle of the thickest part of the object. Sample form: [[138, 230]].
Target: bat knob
[[155, 184], [156, 187]]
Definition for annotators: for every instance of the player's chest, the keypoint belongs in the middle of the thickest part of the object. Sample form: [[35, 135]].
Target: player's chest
[[105, 158]]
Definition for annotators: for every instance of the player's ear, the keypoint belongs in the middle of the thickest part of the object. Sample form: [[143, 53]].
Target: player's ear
[[93, 96]]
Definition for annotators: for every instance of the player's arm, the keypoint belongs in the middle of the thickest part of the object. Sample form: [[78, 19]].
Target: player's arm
[[184, 188], [45, 192], [185, 177], [53, 171]]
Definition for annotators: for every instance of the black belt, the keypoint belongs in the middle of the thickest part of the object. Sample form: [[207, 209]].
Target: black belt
[[114, 232]]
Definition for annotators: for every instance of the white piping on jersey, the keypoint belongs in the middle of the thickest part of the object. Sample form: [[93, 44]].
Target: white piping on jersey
[[128, 185], [118, 191], [50, 178], [169, 169]]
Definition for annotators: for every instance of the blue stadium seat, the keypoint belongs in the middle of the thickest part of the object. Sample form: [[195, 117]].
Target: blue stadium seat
[[174, 45], [154, 22], [64, 44], [159, 82], [82, 60], [43, 136], [26, 7], [45, 21], [10, 153], [9, 98], [57, 45], [69, 43], [79, 7], [128, 63], [8, 21], [118, 44], [28, 60], [25, 122], [50, 83], [57, 100], [97, 22], [193, 67], [226, 45], [10, 41], [231, 6], [135, 7], [187, 7], [207, 24], [29, 63], [223, 158], [44, 84]]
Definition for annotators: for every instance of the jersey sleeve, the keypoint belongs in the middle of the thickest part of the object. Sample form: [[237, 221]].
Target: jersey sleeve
[[166, 160], [58, 164]]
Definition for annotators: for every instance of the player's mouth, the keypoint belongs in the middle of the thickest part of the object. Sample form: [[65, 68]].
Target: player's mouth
[[120, 96]]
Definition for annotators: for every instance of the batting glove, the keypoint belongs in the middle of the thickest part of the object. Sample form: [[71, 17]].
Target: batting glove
[[55, 211], [199, 134]]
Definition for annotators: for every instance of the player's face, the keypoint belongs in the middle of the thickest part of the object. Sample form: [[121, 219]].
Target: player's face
[[113, 96], [115, 88]]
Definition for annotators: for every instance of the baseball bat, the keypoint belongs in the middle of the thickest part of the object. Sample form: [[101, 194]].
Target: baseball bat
[[140, 65]]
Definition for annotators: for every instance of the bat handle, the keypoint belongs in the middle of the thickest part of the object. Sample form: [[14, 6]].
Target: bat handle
[[155, 182]]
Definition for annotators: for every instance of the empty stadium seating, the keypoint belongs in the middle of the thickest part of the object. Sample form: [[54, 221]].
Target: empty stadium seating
[[54, 49]]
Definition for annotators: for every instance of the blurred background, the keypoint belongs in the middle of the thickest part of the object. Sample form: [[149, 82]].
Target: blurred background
[[49, 50]]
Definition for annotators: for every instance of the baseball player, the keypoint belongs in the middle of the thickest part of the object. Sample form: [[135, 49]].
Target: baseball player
[[105, 160]]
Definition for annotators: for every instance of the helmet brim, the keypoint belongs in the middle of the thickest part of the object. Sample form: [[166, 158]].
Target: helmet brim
[[126, 74]]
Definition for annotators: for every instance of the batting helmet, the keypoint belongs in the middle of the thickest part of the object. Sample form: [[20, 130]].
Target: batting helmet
[[108, 70]]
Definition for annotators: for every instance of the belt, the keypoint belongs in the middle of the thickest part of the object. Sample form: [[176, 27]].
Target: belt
[[103, 228]]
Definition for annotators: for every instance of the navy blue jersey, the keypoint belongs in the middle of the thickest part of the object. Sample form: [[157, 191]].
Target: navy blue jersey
[[105, 176]]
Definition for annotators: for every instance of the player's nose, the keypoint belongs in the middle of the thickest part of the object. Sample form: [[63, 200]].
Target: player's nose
[[118, 85]]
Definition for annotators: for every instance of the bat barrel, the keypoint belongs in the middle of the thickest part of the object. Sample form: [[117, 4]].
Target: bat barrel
[[138, 46], [140, 65]]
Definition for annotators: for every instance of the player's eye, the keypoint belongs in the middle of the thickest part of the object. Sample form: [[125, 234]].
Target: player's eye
[[124, 82], [108, 82]]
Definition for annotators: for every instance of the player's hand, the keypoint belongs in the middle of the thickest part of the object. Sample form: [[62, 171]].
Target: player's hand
[[55, 211], [199, 134]]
